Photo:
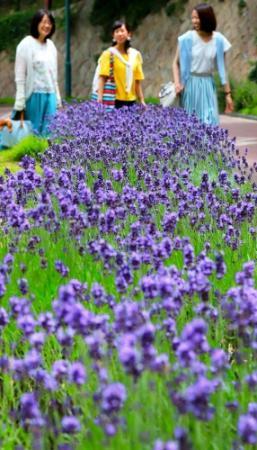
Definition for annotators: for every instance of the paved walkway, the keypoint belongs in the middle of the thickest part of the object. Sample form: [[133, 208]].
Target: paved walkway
[[245, 131], [4, 111]]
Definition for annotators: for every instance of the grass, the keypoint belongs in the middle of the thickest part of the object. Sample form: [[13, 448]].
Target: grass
[[30, 146], [7, 101]]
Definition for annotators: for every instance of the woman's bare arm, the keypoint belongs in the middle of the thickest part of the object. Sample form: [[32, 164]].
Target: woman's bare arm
[[176, 73], [100, 91], [228, 97], [139, 92]]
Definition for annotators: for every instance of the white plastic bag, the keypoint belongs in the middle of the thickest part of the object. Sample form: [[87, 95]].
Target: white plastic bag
[[167, 94]]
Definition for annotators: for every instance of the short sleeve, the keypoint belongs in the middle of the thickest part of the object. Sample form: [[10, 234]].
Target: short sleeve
[[104, 63], [227, 44], [139, 74]]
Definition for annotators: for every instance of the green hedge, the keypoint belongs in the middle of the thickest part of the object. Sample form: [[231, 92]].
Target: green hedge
[[13, 28], [16, 25], [244, 96], [253, 72]]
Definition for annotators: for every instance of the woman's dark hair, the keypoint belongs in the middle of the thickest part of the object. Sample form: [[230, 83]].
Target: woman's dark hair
[[208, 22], [36, 19], [118, 24]]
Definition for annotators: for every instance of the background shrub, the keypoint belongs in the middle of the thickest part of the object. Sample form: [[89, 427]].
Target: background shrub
[[15, 23], [253, 73], [133, 10], [245, 95], [13, 28]]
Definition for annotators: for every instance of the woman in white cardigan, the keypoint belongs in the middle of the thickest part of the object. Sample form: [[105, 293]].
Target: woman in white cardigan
[[37, 91]]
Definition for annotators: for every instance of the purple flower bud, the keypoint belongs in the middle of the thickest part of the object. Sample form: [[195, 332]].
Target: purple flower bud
[[113, 398], [30, 412], [70, 425], [77, 373], [247, 429], [60, 369], [23, 286], [4, 319], [252, 409], [169, 445], [27, 324], [61, 268]]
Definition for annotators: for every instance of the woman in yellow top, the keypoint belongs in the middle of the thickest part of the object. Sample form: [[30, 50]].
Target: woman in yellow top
[[127, 68]]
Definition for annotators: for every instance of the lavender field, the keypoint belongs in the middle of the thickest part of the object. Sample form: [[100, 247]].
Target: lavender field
[[128, 313]]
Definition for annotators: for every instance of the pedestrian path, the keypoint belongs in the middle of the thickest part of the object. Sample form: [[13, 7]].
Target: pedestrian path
[[5, 111], [245, 131]]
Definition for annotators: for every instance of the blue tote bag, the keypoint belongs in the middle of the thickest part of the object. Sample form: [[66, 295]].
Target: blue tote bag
[[17, 130]]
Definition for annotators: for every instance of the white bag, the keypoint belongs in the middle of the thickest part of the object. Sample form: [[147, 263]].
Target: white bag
[[167, 94]]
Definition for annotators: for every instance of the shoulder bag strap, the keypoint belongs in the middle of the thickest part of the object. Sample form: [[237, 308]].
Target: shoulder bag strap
[[111, 65]]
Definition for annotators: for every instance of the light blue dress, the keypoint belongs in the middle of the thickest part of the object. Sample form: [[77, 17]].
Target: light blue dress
[[199, 95]]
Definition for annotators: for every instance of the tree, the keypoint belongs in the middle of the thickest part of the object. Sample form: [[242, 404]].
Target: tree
[[48, 4], [17, 5]]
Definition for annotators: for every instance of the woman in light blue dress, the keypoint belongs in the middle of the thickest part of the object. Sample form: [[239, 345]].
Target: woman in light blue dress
[[200, 53]]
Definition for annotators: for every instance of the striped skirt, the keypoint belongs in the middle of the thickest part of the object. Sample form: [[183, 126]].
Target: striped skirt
[[200, 97]]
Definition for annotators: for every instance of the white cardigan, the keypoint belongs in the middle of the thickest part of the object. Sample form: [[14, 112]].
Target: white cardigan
[[24, 74]]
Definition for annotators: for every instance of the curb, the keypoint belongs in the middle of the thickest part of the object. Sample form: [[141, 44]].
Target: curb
[[240, 116]]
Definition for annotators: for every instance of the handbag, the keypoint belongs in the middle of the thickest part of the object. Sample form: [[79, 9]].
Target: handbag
[[167, 94], [109, 90], [14, 130]]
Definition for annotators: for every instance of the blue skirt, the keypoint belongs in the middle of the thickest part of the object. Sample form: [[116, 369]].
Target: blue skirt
[[40, 109], [200, 97]]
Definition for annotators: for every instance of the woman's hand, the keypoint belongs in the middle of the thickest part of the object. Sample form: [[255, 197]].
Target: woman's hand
[[229, 104], [100, 91], [178, 88]]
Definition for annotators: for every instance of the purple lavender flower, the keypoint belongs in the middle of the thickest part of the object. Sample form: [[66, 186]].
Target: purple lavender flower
[[252, 409], [60, 369], [98, 293], [77, 373], [30, 412], [113, 398], [197, 398], [247, 429], [4, 319], [27, 324], [61, 268], [23, 286], [251, 380], [219, 360], [70, 425], [130, 356], [169, 445], [170, 222], [37, 340]]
